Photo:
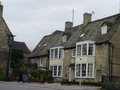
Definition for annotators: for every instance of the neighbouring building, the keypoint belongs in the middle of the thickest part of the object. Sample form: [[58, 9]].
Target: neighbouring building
[[22, 47], [82, 53], [6, 39]]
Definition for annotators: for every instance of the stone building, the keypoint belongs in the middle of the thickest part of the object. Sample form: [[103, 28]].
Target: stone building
[[22, 47], [6, 39], [82, 53]]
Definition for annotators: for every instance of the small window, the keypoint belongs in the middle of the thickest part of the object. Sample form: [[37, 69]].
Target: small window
[[104, 29], [64, 38]]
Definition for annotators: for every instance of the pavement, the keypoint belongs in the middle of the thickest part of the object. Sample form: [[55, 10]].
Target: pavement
[[46, 86]]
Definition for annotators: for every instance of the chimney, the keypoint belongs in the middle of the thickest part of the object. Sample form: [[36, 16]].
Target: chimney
[[1, 9], [68, 25], [87, 18]]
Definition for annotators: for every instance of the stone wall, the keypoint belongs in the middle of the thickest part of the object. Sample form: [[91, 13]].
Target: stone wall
[[67, 61], [101, 62], [115, 40]]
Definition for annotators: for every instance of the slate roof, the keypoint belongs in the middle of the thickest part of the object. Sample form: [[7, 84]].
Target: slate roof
[[92, 32], [21, 46]]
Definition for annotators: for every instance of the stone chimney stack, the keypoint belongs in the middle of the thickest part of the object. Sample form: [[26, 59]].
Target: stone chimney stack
[[87, 18], [1, 9], [68, 25]]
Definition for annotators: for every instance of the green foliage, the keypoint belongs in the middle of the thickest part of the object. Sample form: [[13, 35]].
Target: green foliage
[[47, 76], [16, 59], [1, 74]]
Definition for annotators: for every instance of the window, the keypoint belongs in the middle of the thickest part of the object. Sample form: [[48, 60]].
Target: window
[[90, 50], [61, 53], [78, 50], [64, 38], [56, 53], [84, 70], [52, 53], [85, 48], [90, 69], [59, 70], [104, 29], [74, 52], [56, 70]]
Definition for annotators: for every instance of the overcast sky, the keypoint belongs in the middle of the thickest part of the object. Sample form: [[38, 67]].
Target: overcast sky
[[30, 20]]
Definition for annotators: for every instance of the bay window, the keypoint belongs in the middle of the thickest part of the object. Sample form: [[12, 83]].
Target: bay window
[[56, 53], [85, 70], [85, 48], [56, 70]]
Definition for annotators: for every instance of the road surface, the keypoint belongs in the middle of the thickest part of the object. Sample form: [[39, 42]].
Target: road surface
[[35, 86]]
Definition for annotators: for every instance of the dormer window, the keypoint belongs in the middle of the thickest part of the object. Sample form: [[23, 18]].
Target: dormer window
[[64, 38], [104, 29]]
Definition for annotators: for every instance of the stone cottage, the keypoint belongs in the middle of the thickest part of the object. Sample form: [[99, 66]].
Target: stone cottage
[[83, 52], [6, 39]]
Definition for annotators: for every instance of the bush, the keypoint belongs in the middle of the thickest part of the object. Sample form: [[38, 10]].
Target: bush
[[2, 77]]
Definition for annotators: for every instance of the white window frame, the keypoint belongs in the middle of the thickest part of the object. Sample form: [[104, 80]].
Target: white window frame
[[87, 52], [57, 71], [58, 53], [80, 71]]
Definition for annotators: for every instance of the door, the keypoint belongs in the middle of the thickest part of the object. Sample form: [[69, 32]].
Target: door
[[72, 74]]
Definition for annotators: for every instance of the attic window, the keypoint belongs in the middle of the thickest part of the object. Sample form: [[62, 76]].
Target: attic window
[[64, 38], [45, 45], [104, 29], [82, 35]]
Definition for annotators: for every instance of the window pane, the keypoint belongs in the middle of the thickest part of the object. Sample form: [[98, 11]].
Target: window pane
[[61, 53], [73, 52], [56, 53], [83, 70], [78, 50], [55, 71], [90, 70], [90, 50], [52, 53], [59, 70], [84, 49]]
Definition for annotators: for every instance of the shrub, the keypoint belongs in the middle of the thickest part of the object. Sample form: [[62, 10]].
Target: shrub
[[2, 75]]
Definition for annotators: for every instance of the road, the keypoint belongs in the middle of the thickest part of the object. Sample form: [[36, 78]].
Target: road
[[35, 86]]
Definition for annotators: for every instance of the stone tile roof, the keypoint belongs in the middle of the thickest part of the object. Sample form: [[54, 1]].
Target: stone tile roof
[[21, 46], [47, 42], [92, 32]]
